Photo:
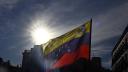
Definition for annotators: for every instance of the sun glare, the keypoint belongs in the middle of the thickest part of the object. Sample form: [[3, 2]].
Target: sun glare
[[40, 36]]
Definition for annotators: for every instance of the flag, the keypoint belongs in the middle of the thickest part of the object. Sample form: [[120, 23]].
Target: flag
[[68, 48]]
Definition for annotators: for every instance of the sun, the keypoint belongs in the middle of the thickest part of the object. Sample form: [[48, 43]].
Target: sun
[[40, 35]]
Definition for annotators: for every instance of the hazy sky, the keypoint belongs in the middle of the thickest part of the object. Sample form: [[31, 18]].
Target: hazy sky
[[17, 18]]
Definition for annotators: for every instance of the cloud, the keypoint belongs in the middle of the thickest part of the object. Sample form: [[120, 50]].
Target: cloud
[[110, 41], [111, 23], [109, 20], [8, 3], [107, 63], [107, 28]]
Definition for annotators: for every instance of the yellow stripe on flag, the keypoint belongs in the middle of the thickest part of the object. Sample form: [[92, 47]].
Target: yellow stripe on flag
[[88, 26], [57, 42]]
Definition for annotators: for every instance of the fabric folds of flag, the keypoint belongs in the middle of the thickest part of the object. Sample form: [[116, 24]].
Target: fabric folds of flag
[[68, 48]]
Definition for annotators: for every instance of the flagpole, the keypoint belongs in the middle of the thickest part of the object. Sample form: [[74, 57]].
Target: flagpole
[[90, 39]]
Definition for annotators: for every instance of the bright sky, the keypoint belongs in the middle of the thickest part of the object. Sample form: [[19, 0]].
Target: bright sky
[[21, 22]]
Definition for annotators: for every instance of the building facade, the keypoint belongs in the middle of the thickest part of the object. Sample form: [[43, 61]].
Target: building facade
[[120, 54], [32, 63], [31, 60], [5, 66]]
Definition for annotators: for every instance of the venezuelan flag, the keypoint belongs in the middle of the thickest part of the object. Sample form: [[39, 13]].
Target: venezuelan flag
[[68, 48]]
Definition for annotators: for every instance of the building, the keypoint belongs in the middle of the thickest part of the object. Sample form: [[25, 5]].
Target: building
[[96, 61], [120, 54], [31, 60], [82, 65], [5, 66]]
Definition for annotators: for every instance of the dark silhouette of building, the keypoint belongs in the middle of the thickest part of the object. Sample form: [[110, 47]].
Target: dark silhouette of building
[[120, 54], [7, 67], [96, 61], [82, 65], [32, 59]]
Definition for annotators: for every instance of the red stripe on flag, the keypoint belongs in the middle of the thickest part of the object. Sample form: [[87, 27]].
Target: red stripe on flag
[[84, 51], [69, 58]]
